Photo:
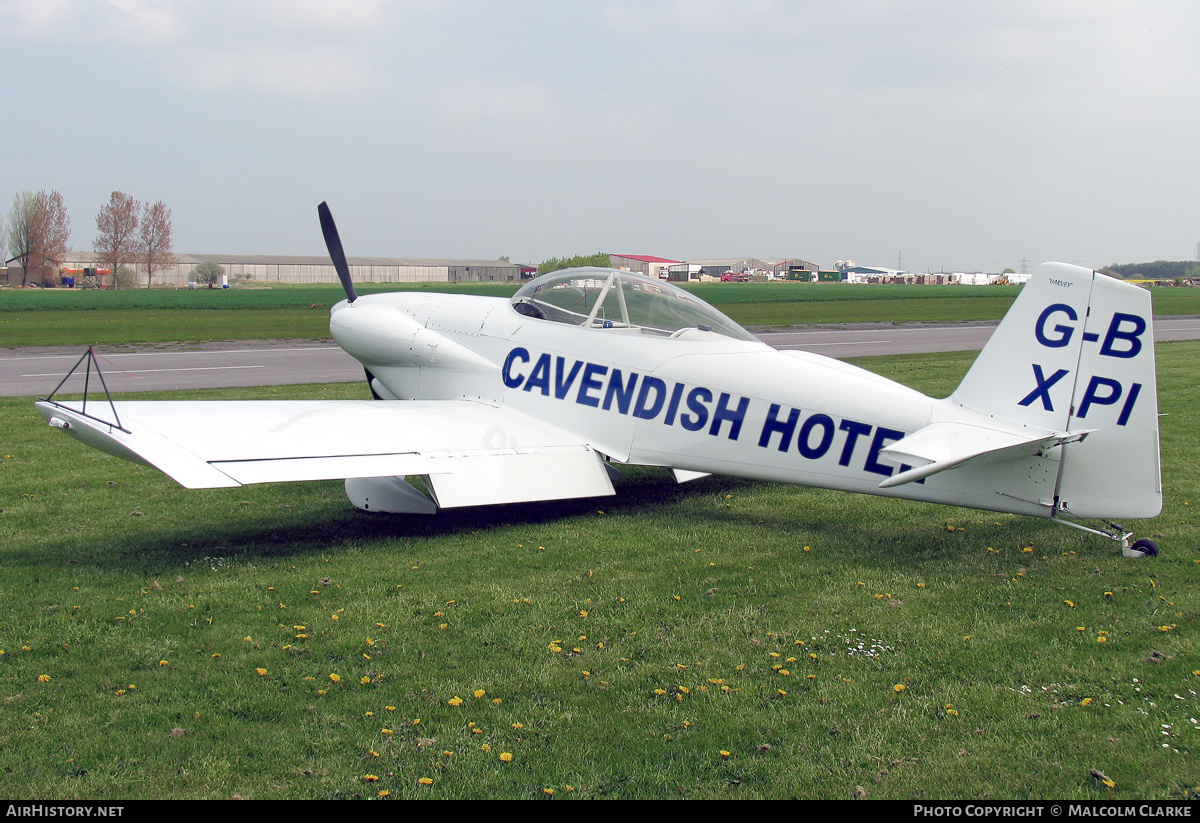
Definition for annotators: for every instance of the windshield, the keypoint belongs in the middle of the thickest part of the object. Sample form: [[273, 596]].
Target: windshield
[[613, 299]]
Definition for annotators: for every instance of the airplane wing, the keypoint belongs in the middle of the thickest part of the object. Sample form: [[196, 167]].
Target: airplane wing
[[472, 453]]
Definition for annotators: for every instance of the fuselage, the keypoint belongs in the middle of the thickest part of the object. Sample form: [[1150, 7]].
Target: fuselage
[[694, 400]]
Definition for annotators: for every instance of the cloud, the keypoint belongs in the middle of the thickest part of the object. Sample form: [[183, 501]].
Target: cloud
[[307, 72], [322, 15], [113, 21], [482, 102]]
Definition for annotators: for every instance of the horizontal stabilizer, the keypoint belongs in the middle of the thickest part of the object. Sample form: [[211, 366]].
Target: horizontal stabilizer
[[947, 445]]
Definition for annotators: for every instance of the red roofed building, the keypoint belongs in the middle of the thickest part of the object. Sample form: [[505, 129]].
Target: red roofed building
[[646, 264]]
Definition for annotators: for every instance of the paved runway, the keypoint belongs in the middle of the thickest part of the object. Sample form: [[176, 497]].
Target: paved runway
[[26, 372]]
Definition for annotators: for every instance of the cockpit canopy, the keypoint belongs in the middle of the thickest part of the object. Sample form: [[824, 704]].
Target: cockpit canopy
[[598, 298]]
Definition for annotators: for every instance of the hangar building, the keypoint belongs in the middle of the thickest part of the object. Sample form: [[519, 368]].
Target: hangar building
[[263, 268]]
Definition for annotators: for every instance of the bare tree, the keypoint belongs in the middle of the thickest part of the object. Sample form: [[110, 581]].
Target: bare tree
[[116, 225], [18, 228], [38, 231], [155, 242]]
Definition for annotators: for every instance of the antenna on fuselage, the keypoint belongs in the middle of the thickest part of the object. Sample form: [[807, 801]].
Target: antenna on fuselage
[[334, 243]]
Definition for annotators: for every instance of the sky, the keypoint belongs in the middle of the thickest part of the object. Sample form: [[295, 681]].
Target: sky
[[928, 136]]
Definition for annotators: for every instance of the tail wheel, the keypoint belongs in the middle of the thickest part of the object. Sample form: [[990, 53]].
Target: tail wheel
[[1142, 548]]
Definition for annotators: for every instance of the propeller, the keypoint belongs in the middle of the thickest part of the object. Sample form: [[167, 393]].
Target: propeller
[[334, 243]]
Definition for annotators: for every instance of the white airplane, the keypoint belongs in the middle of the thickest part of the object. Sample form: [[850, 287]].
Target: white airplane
[[494, 400]]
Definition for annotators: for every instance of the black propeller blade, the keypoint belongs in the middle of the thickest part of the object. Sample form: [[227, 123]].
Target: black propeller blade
[[334, 243]]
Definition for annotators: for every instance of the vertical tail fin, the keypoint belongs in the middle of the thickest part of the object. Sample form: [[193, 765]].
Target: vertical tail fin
[[1075, 352]]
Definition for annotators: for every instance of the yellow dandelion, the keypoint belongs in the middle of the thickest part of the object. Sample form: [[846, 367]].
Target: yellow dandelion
[[386, 731], [336, 678], [551, 791], [1070, 603], [370, 778], [1101, 639], [1087, 701], [425, 781], [364, 680], [480, 692], [163, 663], [724, 753], [455, 701], [506, 757], [383, 793], [43, 678], [899, 687], [261, 672]]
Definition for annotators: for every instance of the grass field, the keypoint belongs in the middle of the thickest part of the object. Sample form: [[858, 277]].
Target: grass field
[[33, 317], [721, 639]]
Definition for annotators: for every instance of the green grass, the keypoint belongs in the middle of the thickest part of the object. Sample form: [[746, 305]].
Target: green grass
[[622, 644], [57, 317]]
